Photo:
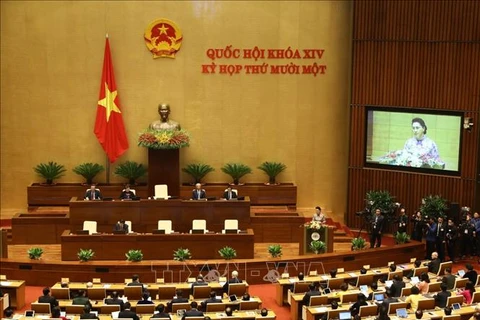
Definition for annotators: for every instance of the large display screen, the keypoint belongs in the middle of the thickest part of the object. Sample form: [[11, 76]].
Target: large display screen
[[413, 139]]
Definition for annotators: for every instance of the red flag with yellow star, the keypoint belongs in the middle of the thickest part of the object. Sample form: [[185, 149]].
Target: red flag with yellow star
[[109, 127]]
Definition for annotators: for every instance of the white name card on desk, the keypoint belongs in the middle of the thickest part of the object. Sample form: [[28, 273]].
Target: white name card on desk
[[325, 277], [320, 309], [5, 283], [352, 274], [106, 285]]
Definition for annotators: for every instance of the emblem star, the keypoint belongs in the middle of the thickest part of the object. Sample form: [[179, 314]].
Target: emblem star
[[109, 102], [163, 29]]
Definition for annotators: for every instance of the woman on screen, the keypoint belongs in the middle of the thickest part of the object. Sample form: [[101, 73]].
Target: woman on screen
[[421, 148]]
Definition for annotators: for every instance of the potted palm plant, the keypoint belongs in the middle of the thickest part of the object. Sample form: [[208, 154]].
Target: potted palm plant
[[227, 253], [272, 169], [35, 253], [50, 171], [401, 237], [275, 250], [181, 254], [198, 171], [433, 206], [381, 199], [85, 255], [130, 170], [358, 244], [236, 171], [134, 255], [88, 170]]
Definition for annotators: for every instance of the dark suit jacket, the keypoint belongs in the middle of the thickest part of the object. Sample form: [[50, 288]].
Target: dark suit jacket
[[145, 302], [128, 314], [196, 196], [387, 301], [118, 227], [233, 280], [88, 316], [210, 300], [161, 315], [176, 300], [450, 281], [308, 295], [88, 195], [471, 275], [48, 299], [377, 226], [396, 288], [115, 301], [127, 195], [233, 195], [80, 301], [192, 313], [434, 265], [441, 298]]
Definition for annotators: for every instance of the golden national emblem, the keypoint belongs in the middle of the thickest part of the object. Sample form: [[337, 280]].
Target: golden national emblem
[[163, 38]]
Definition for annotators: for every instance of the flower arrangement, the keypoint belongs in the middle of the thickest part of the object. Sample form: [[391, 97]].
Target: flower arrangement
[[314, 225], [164, 139], [408, 159]]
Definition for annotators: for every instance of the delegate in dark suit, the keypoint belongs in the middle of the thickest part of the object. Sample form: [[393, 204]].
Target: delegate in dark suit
[[121, 226], [47, 298], [192, 313], [397, 286], [127, 195], [377, 229], [229, 195], [434, 265], [232, 280], [313, 292], [88, 316], [93, 195], [198, 194], [441, 298], [115, 300], [178, 299], [128, 314]]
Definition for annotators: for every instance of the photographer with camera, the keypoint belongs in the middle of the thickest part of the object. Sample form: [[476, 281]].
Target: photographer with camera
[[466, 230], [418, 226]]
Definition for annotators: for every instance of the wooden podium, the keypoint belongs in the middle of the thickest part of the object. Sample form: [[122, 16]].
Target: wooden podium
[[326, 235], [164, 168]]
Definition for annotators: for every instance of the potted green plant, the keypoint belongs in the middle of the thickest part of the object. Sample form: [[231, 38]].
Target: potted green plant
[[433, 206], [358, 244], [236, 171], [181, 254], [401, 237], [88, 170], [275, 250], [272, 169], [35, 253], [227, 253], [130, 170], [198, 171], [134, 255], [85, 255], [383, 200], [50, 171], [318, 246]]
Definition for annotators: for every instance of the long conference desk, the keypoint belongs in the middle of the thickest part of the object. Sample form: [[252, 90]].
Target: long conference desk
[[144, 214], [156, 246]]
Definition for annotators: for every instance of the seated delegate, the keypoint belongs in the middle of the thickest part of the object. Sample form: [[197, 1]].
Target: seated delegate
[[121, 226], [127, 194], [198, 193], [93, 194]]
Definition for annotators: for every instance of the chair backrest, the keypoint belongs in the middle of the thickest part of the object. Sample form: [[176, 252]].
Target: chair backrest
[[454, 299], [61, 293], [74, 309], [6, 301], [364, 279], [460, 283], [333, 314], [368, 311], [418, 271], [201, 292], [231, 224], [318, 300], [406, 292], [180, 306], [129, 224], [426, 304], [478, 281], [392, 307], [96, 293], [199, 224], [237, 289], [476, 297], [443, 266], [349, 297], [145, 308], [41, 307], [394, 273], [133, 292], [452, 317], [335, 283], [91, 226], [216, 307], [165, 225], [107, 309], [166, 292], [249, 305], [301, 287], [161, 191], [434, 286]]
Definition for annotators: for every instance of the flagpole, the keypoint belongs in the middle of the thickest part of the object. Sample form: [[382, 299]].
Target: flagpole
[[107, 169]]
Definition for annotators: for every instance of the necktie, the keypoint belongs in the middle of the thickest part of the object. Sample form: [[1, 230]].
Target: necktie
[[229, 195], [438, 230], [198, 194], [93, 195]]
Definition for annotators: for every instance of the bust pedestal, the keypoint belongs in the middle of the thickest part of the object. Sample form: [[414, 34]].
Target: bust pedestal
[[164, 168]]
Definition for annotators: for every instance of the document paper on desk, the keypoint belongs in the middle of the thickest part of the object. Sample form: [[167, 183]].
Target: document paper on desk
[[5, 283], [320, 309]]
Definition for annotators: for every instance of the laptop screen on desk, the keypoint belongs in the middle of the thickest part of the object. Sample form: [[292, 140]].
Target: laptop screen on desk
[[345, 315], [402, 313], [414, 280], [461, 273], [379, 296]]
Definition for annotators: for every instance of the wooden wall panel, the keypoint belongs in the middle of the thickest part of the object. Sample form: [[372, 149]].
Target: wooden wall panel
[[414, 54]]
